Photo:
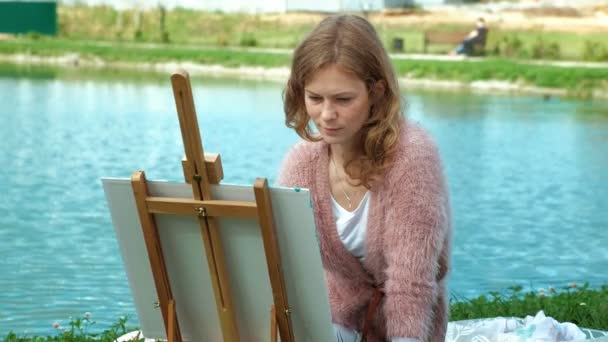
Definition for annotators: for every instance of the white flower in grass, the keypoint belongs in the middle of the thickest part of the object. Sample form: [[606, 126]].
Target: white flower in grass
[[56, 325], [87, 315], [583, 304]]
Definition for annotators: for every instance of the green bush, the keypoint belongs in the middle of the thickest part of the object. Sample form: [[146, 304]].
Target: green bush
[[165, 37], [544, 50], [594, 51], [248, 40], [138, 35], [33, 35], [510, 46]]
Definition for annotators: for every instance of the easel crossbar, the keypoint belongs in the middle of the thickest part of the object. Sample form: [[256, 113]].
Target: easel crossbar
[[210, 208]]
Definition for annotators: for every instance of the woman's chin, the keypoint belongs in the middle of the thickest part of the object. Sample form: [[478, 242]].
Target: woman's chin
[[331, 139]]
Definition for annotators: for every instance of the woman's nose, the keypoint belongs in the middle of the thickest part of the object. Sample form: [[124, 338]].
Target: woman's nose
[[328, 112]]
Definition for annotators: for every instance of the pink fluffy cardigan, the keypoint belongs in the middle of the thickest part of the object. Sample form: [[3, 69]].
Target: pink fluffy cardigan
[[407, 248]]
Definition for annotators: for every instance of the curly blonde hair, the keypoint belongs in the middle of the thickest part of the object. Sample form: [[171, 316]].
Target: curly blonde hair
[[352, 43]]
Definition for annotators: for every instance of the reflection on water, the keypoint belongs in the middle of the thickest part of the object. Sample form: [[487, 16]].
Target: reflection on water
[[527, 176]]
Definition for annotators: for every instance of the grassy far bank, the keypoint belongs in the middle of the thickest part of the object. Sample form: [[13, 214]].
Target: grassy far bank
[[130, 52], [585, 307], [579, 81], [186, 26]]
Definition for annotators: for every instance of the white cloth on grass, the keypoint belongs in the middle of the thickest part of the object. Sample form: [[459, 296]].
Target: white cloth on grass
[[499, 329]]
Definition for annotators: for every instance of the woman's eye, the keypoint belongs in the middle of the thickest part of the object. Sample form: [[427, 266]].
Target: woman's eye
[[344, 99], [314, 98]]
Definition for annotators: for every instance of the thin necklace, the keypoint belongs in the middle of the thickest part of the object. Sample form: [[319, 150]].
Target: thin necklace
[[350, 205]]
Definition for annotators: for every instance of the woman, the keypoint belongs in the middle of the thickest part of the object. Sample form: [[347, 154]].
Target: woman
[[379, 198]]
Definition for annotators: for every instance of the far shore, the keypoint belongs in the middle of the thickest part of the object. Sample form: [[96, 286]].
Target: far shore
[[278, 74]]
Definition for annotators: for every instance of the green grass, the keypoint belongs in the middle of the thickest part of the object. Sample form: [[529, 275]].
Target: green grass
[[185, 26], [579, 81], [200, 28], [139, 52], [78, 330], [585, 307], [571, 44], [109, 75], [217, 38]]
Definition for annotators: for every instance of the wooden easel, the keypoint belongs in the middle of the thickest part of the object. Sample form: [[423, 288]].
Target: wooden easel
[[200, 170]]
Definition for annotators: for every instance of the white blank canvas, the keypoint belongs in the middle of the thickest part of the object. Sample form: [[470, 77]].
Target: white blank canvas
[[185, 258]]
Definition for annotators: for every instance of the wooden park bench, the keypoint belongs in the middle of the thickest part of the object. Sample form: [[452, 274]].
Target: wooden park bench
[[454, 38]]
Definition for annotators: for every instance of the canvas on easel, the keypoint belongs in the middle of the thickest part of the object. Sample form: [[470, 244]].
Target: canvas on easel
[[190, 280], [211, 262]]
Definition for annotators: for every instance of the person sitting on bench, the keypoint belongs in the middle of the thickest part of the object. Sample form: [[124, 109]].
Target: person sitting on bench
[[477, 36]]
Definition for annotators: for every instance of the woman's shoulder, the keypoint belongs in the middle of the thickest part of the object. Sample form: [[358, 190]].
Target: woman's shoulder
[[298, 163], [303, 152], [417, 150], [415, 141], [416, 136]]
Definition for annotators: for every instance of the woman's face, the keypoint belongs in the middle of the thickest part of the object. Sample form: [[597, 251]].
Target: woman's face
[[338, 103]]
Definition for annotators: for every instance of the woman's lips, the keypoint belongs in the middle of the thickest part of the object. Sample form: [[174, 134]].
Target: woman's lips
[[331, 131]]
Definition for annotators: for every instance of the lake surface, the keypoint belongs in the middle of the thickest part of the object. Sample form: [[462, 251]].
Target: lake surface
[[528, 181]]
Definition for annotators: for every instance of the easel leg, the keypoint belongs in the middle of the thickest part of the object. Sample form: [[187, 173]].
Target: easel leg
[[171, 325], [273, 259], [273, 324], [155, 255]]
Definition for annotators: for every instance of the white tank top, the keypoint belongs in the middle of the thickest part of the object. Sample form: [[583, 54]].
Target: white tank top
[[352, 226]]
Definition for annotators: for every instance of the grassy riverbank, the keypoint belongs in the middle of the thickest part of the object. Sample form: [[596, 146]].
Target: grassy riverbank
[[507, 38], [585, 307], [104, 36], [579, 81], [577, 304]]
